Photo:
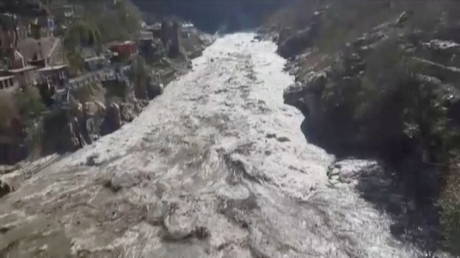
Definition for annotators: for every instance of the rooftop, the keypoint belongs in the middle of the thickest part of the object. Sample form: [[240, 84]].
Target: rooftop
[[4, 78], [52, 68], [37, 49], [24, 69]]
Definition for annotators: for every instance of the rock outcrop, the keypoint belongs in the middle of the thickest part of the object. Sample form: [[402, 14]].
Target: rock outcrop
[[4, 189], [391, 92], [112, 120], [331, 97], [290, 42], [67, 130]]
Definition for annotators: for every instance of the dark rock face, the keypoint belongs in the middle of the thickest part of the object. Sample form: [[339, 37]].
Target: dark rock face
[[4, 189], [12, 152], [69, 130], [329, 98], [112, 120], [388, 93], [295, 43], [292, 43], [12, 147]]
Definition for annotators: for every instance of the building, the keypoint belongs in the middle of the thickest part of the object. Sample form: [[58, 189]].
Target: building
[[155, 29], [42, 26], [123, 50], [8, 83], [53, 76], [96, 63], [30, 56], [46, 51], [25, 76]]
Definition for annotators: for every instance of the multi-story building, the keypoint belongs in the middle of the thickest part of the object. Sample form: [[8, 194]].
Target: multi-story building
[[8, 83]]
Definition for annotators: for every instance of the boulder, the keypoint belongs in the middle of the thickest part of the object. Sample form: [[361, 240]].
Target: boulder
[[127, 112], [74, 140], [402, 19], [154, 87], [180, 220], [4, 189], [112, 120], [292, 43], [303, 95], [297, 42], [93, 108]]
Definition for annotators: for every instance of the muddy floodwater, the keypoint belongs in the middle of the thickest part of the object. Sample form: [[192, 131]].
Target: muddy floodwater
[[217, 166]]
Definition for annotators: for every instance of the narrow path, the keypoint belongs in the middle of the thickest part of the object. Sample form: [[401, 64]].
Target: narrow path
[[215, 167]]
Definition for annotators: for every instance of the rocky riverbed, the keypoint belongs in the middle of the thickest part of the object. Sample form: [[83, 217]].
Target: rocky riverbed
[[217, 166]]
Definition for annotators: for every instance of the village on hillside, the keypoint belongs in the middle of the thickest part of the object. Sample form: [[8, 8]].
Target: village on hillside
[[54, 59]]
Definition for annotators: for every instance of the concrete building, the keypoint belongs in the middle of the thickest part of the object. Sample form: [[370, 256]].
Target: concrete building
[[46, 51], [8, 83], [53, 76], [26, 76]]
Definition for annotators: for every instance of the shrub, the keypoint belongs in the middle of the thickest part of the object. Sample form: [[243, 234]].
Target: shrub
[[82, 33], [120, 22], [89, 92], [76, 62], [29, 104]]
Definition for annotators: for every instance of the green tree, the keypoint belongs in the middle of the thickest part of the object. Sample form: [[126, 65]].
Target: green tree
[[82, 34], [29, 104]]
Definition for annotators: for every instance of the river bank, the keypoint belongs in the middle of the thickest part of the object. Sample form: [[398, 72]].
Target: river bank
[[214, 167]]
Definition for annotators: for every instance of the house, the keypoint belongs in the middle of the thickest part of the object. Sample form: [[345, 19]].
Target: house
[[155, 29], [52, 79], [65, 14], [95, 63], [26, 76], [72, 11], [54, 76], [26, 57], [42, 26], [123, 50], [46, 51], [37, 61], [8, 83]]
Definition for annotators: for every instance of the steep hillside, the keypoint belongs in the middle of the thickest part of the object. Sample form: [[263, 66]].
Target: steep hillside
[[381, 79]]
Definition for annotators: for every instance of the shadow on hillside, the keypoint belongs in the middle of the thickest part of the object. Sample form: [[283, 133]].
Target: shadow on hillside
[[406, 191], [415, 217]]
